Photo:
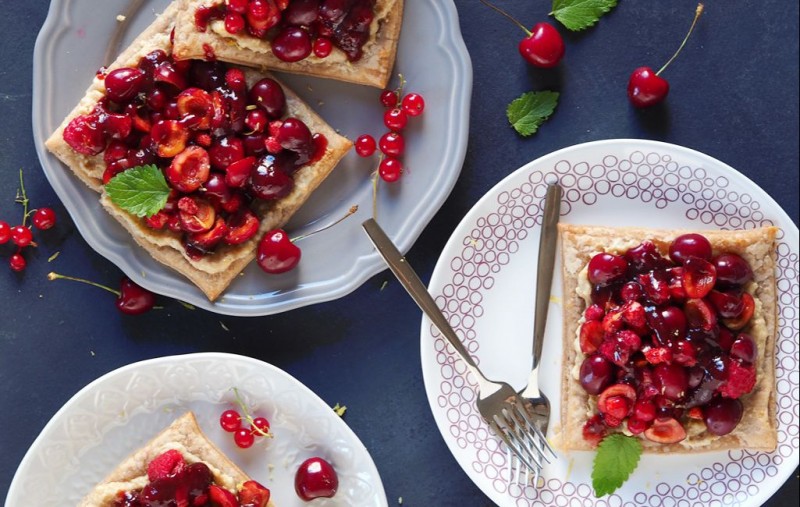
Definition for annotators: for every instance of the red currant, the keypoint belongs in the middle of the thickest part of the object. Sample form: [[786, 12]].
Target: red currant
[[322, 47], [243, 438], [395, 119], [5, 232], [365, 145], [389, 98], [21, 236], [390, 169], [44, 218], [17, 262], [392, 144], [413, 104], [230, 420], [234, 22], [260, 426]]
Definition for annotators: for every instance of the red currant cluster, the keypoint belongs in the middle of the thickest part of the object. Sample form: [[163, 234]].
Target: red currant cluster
[[392, 144], [244, 436], [22, 235]]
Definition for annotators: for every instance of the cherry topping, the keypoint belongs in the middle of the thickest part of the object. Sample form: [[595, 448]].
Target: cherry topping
[[722, 415], [689, 245], [744, 348], [732, 270], [292, 44], [665, 430], [276, 252], [315, 478], [123, 84], [670, 380], [268, 94], [605, 268], [596, 374], [189, 169]]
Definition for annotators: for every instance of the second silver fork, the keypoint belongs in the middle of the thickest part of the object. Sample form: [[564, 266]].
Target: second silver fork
[[498, 403]]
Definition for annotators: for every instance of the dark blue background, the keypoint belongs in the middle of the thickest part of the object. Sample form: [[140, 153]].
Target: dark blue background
[[734, 96]]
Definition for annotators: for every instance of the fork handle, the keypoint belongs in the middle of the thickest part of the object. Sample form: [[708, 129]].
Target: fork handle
[[414, 286], [545, 266]]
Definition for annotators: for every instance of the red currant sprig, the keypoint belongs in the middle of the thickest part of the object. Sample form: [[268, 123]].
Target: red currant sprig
[[233, 421], [22, 235]]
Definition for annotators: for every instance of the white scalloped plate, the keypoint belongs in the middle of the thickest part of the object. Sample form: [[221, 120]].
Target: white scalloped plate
[[71, 47], [484, 281], [122, 410]]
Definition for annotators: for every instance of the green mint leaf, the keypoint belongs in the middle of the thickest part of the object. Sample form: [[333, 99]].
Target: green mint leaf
[[580, 14], [616, 458], [140, 190], [530, 110]]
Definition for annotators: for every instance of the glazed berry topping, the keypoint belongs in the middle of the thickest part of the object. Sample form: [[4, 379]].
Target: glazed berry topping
[[298, 28], [221, 144], [666, 340]]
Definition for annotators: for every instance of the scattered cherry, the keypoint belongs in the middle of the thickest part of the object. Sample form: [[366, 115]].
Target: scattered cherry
[[543, 46], [315, 478], [647, 88], [133, 299], [276, 253]]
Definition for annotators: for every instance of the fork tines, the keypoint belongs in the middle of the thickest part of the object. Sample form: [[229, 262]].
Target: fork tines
[[522, 437]]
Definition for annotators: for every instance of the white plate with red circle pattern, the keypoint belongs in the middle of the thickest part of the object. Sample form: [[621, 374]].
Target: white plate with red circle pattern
[[484, 281]]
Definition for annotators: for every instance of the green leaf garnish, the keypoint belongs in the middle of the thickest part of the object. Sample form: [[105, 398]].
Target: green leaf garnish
[[140, 190], [616, 458], [530, 110], [580, 14]]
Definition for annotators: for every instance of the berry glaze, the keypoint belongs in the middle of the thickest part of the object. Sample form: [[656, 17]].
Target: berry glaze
[[299, 28], [222, 145], [173, 481], [666, 341]]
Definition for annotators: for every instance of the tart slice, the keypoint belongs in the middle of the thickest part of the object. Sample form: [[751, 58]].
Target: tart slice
[[347, 40], [669, 335], [231, 152], [179, 466]]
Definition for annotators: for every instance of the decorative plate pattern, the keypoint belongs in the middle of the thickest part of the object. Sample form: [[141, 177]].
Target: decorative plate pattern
[[484, 283], [119, 412], [71, 47]]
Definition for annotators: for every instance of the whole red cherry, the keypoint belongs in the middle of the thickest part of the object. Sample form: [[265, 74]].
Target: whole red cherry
[[543, 47], [276, 252], [315, 478], [134, 299]]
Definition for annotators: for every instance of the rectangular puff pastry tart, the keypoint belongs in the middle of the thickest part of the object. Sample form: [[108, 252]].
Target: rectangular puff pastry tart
[[669, 335], [347, 40], [179, 466], [232, 151]]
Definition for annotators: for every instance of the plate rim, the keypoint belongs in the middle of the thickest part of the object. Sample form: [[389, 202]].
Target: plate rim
[[362, 268], [442, 267], [177, 358]]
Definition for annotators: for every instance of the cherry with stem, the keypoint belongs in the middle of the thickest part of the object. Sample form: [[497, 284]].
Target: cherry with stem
[[542, 47], [647, 88], [132, 299]]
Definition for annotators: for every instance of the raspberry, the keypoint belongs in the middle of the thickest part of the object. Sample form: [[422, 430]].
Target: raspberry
[[165, 465], [272, 145], [741, 379], [611, 421], [615, 351]]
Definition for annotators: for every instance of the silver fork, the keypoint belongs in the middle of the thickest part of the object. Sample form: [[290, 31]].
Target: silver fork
[[537, 406], [498, 403]]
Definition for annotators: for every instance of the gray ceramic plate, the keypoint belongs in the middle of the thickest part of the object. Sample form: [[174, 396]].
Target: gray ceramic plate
[[73, 44]]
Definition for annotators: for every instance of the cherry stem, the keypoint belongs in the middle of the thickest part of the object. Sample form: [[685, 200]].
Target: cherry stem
[[55, 276], [247, 416], [509, 16], [697, 14], [352, 210]]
